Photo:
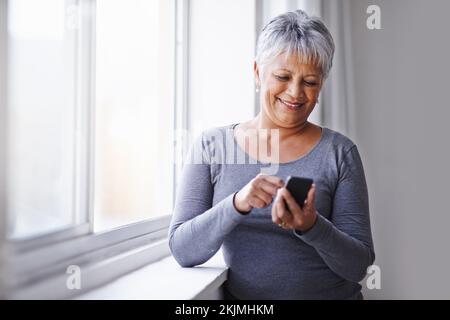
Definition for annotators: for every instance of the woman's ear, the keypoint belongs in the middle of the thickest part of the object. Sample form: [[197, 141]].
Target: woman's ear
[[256, 71]]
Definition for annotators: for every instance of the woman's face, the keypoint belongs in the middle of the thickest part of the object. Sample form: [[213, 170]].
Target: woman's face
[[289, 90]]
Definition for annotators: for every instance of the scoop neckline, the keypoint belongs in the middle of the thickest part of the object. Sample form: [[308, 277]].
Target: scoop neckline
[[315, 147]]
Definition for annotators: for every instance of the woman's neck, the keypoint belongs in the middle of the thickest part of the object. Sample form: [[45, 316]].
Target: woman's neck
[[261, 122]]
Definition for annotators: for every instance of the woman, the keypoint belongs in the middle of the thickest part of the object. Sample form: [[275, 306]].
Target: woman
[[275, 248]]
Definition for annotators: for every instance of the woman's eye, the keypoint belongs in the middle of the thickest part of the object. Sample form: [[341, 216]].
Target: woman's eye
[[310, 83], [282, 78]]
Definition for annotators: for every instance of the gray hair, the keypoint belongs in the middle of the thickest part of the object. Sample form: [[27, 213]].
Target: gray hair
[[296, 32]]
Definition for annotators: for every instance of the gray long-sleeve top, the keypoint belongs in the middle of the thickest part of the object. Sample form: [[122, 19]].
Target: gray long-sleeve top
[[266, 261]]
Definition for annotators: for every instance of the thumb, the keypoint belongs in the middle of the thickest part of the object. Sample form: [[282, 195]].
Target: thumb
[[309, 202]]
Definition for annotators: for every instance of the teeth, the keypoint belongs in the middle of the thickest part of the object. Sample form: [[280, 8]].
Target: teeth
[[290, 104]]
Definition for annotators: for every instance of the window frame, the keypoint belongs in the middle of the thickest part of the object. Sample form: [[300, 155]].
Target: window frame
[[35, 267], [3, 122], [181, 119], [3, 130], [38, 269], [86, 112]]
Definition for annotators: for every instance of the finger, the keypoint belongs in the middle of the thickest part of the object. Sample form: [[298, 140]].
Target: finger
[[276, 207], [274, 211], [269, 187], [261, 186], [264, 196], [256, 202], [292, 205], [283, 212], [283, 215], [261, 198], [277, 219], [274, 180], [309, 202]]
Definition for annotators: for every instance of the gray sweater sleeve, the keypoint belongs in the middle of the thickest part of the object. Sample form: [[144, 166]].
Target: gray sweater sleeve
[[345, 242], [198, 229]]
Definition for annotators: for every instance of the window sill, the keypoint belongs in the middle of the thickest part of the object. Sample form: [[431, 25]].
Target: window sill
[[166, 280]]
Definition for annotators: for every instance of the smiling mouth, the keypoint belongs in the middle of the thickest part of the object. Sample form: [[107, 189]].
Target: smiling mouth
[[291, 106]]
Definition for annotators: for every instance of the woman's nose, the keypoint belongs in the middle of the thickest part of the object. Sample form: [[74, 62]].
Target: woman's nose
[[295, 90]]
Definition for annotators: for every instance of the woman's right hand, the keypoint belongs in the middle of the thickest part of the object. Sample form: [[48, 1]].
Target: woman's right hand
[[258, 193]]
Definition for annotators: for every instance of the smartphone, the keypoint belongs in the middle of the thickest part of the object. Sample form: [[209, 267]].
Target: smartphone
[[299, 188]]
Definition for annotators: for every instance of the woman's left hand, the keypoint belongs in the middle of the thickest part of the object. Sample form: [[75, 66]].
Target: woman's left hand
[[289, 215]]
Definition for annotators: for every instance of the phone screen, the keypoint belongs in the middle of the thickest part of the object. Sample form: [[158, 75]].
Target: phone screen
[[299, 188]]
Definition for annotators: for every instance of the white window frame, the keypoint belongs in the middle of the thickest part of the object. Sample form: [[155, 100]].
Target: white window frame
[[181, 119], [35, 268], [3, 130]]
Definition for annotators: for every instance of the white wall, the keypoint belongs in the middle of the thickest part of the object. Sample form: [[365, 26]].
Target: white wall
[[402, 112], [221, 53]]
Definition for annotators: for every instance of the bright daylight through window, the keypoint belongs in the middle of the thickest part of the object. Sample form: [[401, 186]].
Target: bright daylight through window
[[42, 108], [134, 111], [90, 105]]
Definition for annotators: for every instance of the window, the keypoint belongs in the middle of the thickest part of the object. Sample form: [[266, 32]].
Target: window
[[90, 113], [44, 145], [134, 121], [89, 102]]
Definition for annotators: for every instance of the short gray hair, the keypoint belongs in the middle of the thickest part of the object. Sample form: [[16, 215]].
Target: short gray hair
[[296, 32]]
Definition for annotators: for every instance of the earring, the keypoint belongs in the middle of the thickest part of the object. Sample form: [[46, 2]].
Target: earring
[[257, 89]]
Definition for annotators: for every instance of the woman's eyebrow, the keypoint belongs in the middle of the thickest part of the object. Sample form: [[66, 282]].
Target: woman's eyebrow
[[284, 69]]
